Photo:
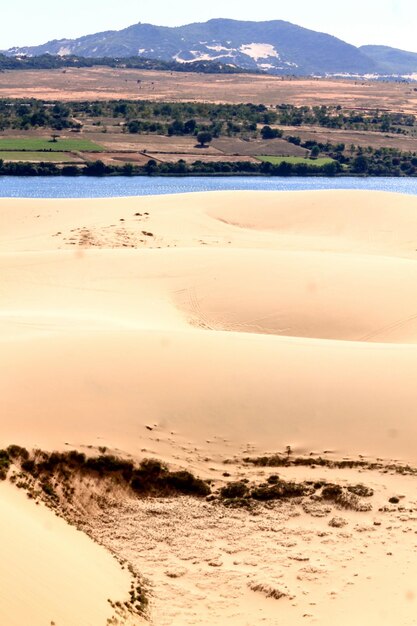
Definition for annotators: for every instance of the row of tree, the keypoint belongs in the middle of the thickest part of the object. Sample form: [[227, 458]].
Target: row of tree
[[344, 118], [178, 118], [378, 165]]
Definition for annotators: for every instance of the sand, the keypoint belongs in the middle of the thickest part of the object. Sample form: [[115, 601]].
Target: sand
[[50, 573], [203, 327]]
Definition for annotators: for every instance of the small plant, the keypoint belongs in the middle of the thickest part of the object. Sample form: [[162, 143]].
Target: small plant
[[273, 479], [234, 490], [4, 464], [184, 482], [29, 466], [48, 489], [361, 490], [17, 452], [331, 492], [280, 490]]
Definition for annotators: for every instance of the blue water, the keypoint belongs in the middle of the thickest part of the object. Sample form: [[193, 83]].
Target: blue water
[[61, 187]]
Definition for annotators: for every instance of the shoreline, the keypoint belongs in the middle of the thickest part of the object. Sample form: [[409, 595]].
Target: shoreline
[[192, 174]]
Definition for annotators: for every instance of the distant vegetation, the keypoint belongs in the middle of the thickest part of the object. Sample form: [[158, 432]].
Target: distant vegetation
[[179, 168], [182, 118], [384, 162], [138, 117], [342, 118], [252, 139], [52, 62]]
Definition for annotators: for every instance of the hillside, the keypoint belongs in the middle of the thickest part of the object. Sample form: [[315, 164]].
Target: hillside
[[277, 47], [51, 62], [392, 60]]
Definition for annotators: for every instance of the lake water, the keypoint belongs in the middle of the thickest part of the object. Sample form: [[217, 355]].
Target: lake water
[[62, 187]]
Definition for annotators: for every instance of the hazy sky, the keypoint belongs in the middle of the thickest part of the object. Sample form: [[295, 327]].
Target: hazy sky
[[388, 22]]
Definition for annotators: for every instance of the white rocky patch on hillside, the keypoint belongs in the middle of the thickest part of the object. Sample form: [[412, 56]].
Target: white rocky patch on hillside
[[217, 51], [218, 48], [199, 56], [259, 51], [64, 51]]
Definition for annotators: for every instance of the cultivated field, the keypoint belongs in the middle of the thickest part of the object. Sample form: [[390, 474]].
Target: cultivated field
[[208, 158], [151, 143], [36, 144], [405, 143], [116, 149], [107, 83], [55, 157], [278, 147], [277, 160]]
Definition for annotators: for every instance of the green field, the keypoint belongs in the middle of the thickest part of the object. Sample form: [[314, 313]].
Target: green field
[[276, 160], [38, 143], [60, 157]]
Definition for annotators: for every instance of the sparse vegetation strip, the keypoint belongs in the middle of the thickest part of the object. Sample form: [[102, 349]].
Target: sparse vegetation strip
[[51, 476], [289, 460], [149, 478], [70, 482], [54, 62], [188, 118]]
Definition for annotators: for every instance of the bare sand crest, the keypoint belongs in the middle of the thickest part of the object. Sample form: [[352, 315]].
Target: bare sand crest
[[49, 572], [201, 327]]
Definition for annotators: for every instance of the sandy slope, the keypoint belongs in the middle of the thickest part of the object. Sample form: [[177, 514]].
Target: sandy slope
[[225, 322], [117, 316], [49, 572]]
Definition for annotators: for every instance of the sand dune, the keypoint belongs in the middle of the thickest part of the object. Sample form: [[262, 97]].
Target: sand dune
[[202, 327], [340, 221], [302, 294], [105, 389], [49, 572]]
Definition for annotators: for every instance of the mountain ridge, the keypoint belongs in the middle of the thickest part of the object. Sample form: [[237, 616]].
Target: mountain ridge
[[274, 46], [393, 60]]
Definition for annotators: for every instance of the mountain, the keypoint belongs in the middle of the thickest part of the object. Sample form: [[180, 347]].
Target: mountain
[[276, 47], [392, 60]]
